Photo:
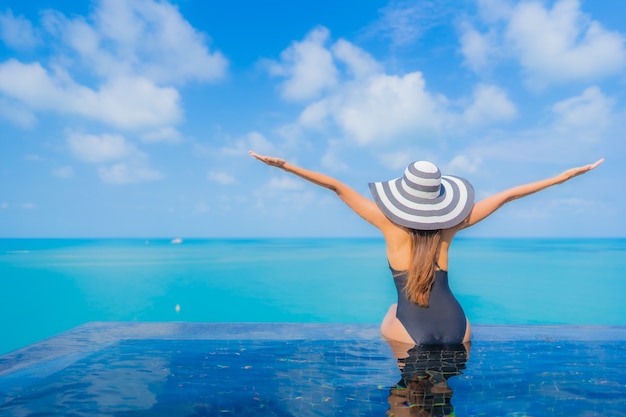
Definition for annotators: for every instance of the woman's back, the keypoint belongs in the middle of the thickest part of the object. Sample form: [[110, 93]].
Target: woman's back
[[400, 247], [442, 320]]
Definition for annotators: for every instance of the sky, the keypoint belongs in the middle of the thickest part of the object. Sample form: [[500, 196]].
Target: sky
[[133, 118]]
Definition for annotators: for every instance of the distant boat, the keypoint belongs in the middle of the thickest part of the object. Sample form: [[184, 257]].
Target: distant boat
[[177, 241]]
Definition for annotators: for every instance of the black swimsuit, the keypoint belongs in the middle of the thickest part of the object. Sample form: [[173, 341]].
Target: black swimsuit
[[442, 322]]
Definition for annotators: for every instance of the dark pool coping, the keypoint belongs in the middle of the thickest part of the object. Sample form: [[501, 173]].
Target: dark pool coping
[[55, 353]]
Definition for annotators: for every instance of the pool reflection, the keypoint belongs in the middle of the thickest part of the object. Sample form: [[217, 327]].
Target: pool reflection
[[423, 389]]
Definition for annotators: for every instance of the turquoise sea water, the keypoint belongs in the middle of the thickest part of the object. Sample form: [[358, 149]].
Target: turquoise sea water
[[51, 285]]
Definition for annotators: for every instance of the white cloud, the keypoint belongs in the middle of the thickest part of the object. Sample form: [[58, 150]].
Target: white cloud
[[94, 148], [586, 116], [221, 177], [202, 207], [490, 104], [4, 205], [463, 164], [369, 106], [331, 158], [331, 161], [372, 107], [132, 52], [493, 11], [29, 83], [259, 143], [381, 108], [284, 183], [16, 113], [131, 165], [389, 106], [476, 48], [562, 44], [527, 147], [397, 160], [553, 45], [127, 173], [254, 141], [165, 134], [554, 208], [64, 172], [122, 102], [28, 206], [308, 67], [314, 115], [285, 194], [138, 38], [164, 32], [359, 63], [406, 21], [579, 130], [17, 32], [135, 102]]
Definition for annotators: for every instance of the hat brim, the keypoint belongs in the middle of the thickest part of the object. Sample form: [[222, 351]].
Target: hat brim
[[448, 210]]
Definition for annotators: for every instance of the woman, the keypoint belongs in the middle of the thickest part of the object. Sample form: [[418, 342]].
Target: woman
[[419, 214]]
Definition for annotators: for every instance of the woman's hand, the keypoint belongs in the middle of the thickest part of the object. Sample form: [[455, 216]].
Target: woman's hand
[[269, 160], [574, 172]]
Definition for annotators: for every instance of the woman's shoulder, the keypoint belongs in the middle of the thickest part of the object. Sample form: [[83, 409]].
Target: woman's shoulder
[[396, 235], [398, 242]]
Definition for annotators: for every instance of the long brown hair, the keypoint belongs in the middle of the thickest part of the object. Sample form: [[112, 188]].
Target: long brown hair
[[424, 245]]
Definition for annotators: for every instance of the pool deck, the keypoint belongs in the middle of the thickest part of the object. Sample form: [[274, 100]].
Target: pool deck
[[55, 353]]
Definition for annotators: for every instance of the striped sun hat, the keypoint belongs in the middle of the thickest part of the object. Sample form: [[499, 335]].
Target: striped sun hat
[[423, 199]]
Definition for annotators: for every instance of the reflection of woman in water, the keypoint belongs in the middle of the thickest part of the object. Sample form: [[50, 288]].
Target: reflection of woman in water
[[423, 389], [419, 214]]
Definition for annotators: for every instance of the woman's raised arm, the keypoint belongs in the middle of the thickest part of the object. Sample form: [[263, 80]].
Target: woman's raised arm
[[484, 208], [364, 207]]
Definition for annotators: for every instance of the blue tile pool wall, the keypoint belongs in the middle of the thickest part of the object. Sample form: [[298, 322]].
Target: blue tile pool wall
[[303, 370]]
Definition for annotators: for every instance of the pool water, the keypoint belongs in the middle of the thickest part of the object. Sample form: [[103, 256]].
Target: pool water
[[213, 369], [545, 379]]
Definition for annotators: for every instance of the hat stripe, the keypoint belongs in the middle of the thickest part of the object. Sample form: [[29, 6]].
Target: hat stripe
[[420, 196], [417, 189], [440, 213], [423, 172], [421, 180], [423, 207]]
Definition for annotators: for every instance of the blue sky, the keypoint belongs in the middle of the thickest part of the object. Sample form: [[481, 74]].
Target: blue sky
[[133, 118]]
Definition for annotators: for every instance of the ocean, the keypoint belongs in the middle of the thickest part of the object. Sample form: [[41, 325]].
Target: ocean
[[48, 286]]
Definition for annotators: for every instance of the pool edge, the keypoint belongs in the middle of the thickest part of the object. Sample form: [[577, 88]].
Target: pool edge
[[65, 348]]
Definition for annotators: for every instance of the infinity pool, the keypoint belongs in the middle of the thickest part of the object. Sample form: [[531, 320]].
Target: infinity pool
[[226, 369]]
